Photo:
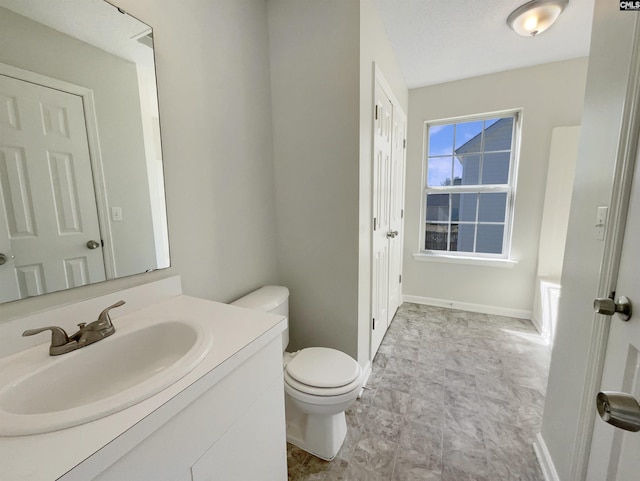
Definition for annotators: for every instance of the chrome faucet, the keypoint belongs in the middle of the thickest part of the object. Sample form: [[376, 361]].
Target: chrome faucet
[[95, 331]]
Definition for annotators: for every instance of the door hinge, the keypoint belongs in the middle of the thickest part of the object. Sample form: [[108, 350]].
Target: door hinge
[[402, 213], [374, 323], [374, 223], [400, 280], [376, 113], [404, 144]]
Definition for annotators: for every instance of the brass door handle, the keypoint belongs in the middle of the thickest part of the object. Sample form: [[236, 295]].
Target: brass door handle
[[93, 244]]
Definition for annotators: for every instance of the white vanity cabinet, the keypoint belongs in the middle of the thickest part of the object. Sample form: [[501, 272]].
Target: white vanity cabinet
[[249, 451], [235, 431]]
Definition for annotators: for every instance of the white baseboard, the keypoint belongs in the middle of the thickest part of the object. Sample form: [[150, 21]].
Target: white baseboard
[[537, 323], [467, 306], [544, 459], [366, 372]]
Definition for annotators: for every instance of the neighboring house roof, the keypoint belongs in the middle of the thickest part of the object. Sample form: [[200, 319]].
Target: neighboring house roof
[[498, 135]]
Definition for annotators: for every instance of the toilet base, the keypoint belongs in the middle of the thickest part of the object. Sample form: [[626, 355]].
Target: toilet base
[[320, 435]]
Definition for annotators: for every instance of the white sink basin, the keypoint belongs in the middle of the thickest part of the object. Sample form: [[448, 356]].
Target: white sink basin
[[39, 393]]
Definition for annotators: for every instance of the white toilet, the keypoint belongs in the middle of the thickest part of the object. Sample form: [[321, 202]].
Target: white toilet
[[320, 383]]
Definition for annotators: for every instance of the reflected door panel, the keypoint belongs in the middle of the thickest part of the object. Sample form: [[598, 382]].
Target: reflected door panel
[[48, 200]]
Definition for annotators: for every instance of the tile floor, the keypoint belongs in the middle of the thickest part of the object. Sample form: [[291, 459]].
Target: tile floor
[[453, 396]]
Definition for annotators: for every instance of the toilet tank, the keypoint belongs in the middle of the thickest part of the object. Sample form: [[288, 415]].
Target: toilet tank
[[273, 299]]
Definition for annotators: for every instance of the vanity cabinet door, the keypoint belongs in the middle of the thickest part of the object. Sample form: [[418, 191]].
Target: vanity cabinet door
[[254, 448]]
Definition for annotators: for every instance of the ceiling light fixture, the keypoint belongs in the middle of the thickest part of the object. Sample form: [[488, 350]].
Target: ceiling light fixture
[[535, 17]]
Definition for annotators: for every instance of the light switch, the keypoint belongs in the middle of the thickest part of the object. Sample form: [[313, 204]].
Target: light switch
[[601, 222], [116, 214]]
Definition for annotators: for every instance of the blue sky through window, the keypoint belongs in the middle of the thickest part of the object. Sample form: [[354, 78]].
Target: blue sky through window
[[443, 141]]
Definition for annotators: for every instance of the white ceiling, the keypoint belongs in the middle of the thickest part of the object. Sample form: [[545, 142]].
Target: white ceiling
[[439, 41], [95, 22]]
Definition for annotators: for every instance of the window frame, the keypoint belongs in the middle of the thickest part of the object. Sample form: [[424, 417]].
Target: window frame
[[509, 188]]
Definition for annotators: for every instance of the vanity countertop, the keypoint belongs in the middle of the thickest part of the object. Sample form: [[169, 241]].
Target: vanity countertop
[[238, 334]]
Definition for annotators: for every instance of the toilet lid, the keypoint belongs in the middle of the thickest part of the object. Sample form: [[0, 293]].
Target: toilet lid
[[322, 367], [320, 391]]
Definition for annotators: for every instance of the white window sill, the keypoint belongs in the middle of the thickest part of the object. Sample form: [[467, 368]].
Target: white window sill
[[474, 261]]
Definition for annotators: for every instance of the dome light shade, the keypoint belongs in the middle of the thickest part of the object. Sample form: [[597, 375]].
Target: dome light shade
[[535, 17]]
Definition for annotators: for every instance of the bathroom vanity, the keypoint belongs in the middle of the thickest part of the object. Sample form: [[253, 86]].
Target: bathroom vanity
[[223, 420]]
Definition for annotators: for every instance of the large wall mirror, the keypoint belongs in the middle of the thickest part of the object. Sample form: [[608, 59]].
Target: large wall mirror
[[81, 180]]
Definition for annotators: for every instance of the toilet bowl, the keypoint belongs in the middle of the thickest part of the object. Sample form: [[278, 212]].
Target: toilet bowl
[[320, 384]]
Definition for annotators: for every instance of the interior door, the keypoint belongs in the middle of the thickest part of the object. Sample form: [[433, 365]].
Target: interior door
[[47, 200], [8, 280], [382, 150], [615, 453], [396, 212]]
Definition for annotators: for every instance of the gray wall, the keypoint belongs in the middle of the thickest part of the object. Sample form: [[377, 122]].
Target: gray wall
[[315, 94], [322, 56], [549, 95], [213, 75]]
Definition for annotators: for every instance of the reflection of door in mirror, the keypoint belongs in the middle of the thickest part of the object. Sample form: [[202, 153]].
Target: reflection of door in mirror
[[49, 213]]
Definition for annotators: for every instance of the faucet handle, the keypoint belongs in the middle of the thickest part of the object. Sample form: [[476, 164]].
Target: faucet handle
[[58, 335], [104, 315]]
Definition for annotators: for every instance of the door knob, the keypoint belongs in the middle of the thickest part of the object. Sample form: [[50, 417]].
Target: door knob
[[619, 409], [392, 234], [609, 307], [3, 259], [93, 244]]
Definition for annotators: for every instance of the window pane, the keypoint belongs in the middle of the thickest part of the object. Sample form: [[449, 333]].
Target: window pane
[[453, 237], [497, 135], [468, 137], [490, 239], [436, 237], [495, 168], [489, 122], [455, 207], [466, 168], [437, 207], [441, 140], [439, 171], [468, 205], [492, 207], [466, 236]]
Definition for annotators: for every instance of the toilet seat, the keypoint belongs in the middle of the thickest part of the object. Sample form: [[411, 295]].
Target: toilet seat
[[323, 368]]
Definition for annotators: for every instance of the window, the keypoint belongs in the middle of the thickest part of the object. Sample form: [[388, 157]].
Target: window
[[469, 184]]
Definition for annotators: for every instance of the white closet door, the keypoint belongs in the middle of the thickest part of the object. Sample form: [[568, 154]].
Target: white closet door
[[396, 212], [382, 150], [48, 202]]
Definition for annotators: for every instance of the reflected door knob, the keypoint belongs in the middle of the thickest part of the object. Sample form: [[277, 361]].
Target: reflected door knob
[[392, 234], [619, 409], [609, 307], [93, 244]]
